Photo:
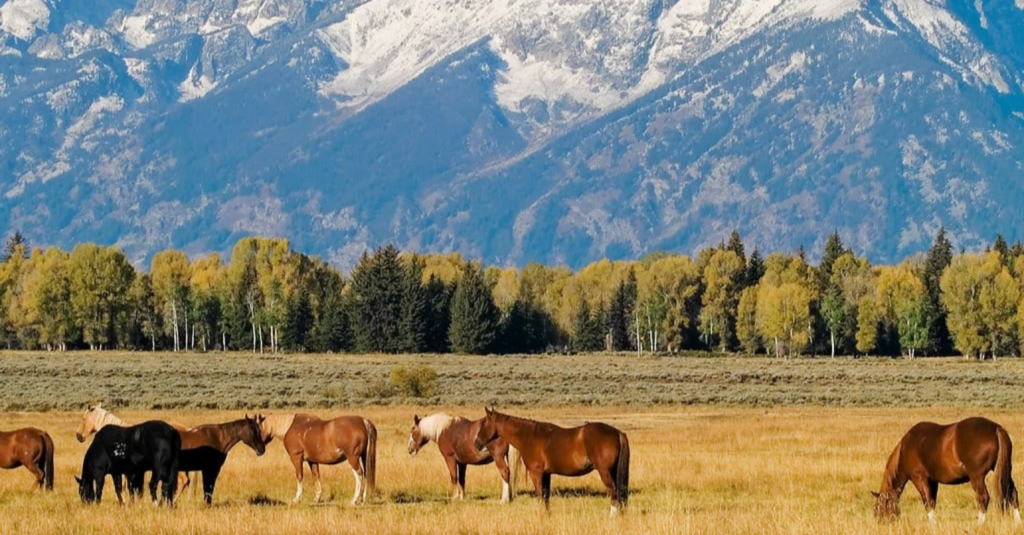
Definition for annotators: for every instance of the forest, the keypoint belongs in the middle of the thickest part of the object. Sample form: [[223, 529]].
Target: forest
[[268, 298]]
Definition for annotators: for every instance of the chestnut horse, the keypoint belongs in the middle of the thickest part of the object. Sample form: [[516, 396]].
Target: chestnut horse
[[548, 449], [965, 451], [31, 448], [311, 440], [96, 417], [455, 438]]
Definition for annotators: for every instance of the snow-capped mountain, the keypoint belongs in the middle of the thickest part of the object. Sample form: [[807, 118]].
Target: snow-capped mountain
[[513, 130]]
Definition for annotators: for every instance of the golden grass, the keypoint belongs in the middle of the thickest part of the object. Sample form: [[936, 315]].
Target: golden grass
[[694, 470]]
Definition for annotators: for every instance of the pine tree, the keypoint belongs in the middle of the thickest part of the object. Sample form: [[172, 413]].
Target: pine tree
[[298, 322], [376, 311], [939, 257], [474, 317], [587, 333], [755, 269], [412, 330], [15, 243], [736, 245], [833, 250], [620, 322], [332, 333], [439, 300], [1000, 246]]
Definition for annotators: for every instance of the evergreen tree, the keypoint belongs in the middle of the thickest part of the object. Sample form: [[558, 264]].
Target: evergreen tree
[[412, 330], [439, 299], [620, 322], [298, 322], [736, 245], [939, 257], [833, 250], [376, 301], [332, 333], [755, 269], [587, 333], [15, 242], [474, 317], [1000, 246]]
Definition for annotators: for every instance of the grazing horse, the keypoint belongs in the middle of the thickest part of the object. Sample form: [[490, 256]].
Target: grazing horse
[[31, 448], [131, 451], [96, 417], [205, 448], [314, 441], [547, 449], [455, 438], [965, 451]]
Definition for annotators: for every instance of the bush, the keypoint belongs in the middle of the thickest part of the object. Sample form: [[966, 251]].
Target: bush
[[414, 381]]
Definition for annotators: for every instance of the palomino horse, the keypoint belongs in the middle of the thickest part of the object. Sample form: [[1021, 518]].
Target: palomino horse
[[205, 448], [313, 441], [31, 448], [547, 449], [455, 438], [965, 451], [96, 417]]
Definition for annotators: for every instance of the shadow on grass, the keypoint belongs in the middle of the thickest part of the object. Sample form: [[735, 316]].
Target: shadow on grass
[[264, 501]]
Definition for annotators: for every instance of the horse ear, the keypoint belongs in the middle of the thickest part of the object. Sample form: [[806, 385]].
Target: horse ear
[[89, 408], [875, 494], [416, 419], [78, 480]]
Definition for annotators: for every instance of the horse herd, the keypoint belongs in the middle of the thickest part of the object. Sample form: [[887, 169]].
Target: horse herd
[[170, 451], [929, 454]]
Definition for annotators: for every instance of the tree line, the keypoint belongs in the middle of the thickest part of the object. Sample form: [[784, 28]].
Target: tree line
[[269, 298]]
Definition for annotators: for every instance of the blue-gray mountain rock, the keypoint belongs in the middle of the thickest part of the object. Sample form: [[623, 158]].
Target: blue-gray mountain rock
[[512, 130]]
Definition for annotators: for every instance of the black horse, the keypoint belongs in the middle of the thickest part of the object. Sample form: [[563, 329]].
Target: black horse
[[131, 452]]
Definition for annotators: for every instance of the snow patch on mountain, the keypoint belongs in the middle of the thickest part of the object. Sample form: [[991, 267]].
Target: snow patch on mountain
[[24, 18]]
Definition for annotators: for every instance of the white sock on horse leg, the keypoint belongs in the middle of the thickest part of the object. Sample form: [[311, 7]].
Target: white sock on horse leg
[[931, 516], [981, 517], [1016, 515], [506, 492], [615, 511], [359, 487], [298, 492], [319, 490]]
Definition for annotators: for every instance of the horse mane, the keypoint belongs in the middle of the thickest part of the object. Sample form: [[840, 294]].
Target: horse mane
[[108, 418], [432, 426], [892, 466], [278, 424]]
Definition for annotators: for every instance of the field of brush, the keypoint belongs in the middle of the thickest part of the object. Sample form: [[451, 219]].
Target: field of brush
[[719, 444]]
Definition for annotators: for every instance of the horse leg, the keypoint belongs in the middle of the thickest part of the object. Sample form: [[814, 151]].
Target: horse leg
[[314, 470], [538, 485], [608, 478], [184, 481], [117, 488], [503, 469], [978, 483], [357, 472], [461, 467], [154, 480], [453, 474], [546, 489], [99, 488], [37, 472], [297, 461], [209, 481], [927, 489]]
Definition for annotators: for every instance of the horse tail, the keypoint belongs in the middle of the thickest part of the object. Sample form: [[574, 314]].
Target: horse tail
[[1005, 489], [515, 469], [622, 471], [47, 461], [370, 458]]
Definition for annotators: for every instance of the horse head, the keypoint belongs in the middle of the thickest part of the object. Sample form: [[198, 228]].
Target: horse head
[[416, 438], [252, 434], [90, 422], [266, 434], [85, 489], [488, 429], [887, 506]]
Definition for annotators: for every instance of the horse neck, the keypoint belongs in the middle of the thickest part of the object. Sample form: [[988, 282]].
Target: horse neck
[[230, 434], [278, 424], [893, 480], [109, 418], [513, 429], [432, 426]]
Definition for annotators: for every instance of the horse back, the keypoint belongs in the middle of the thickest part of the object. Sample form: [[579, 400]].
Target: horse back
[[951, 453]]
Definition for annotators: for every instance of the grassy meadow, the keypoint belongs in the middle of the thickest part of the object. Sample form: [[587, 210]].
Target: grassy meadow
[[719, 444]]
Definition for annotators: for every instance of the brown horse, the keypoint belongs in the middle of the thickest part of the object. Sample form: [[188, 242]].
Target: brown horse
[[205, 448], [965, 451], [96, 417], [314, 441], [455, 438], [547, 449], [31, 448]]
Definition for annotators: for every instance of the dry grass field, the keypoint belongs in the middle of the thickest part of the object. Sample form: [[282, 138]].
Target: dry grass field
[[770, 457]]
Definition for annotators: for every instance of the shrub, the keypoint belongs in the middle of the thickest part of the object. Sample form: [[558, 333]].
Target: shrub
[[414, 381]]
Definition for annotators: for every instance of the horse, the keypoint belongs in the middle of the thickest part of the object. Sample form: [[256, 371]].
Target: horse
[[131, 451], [961, 452], [96, 417], [314, 441], [205, 448], [547, 449], [31, 448], [455, 437]]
